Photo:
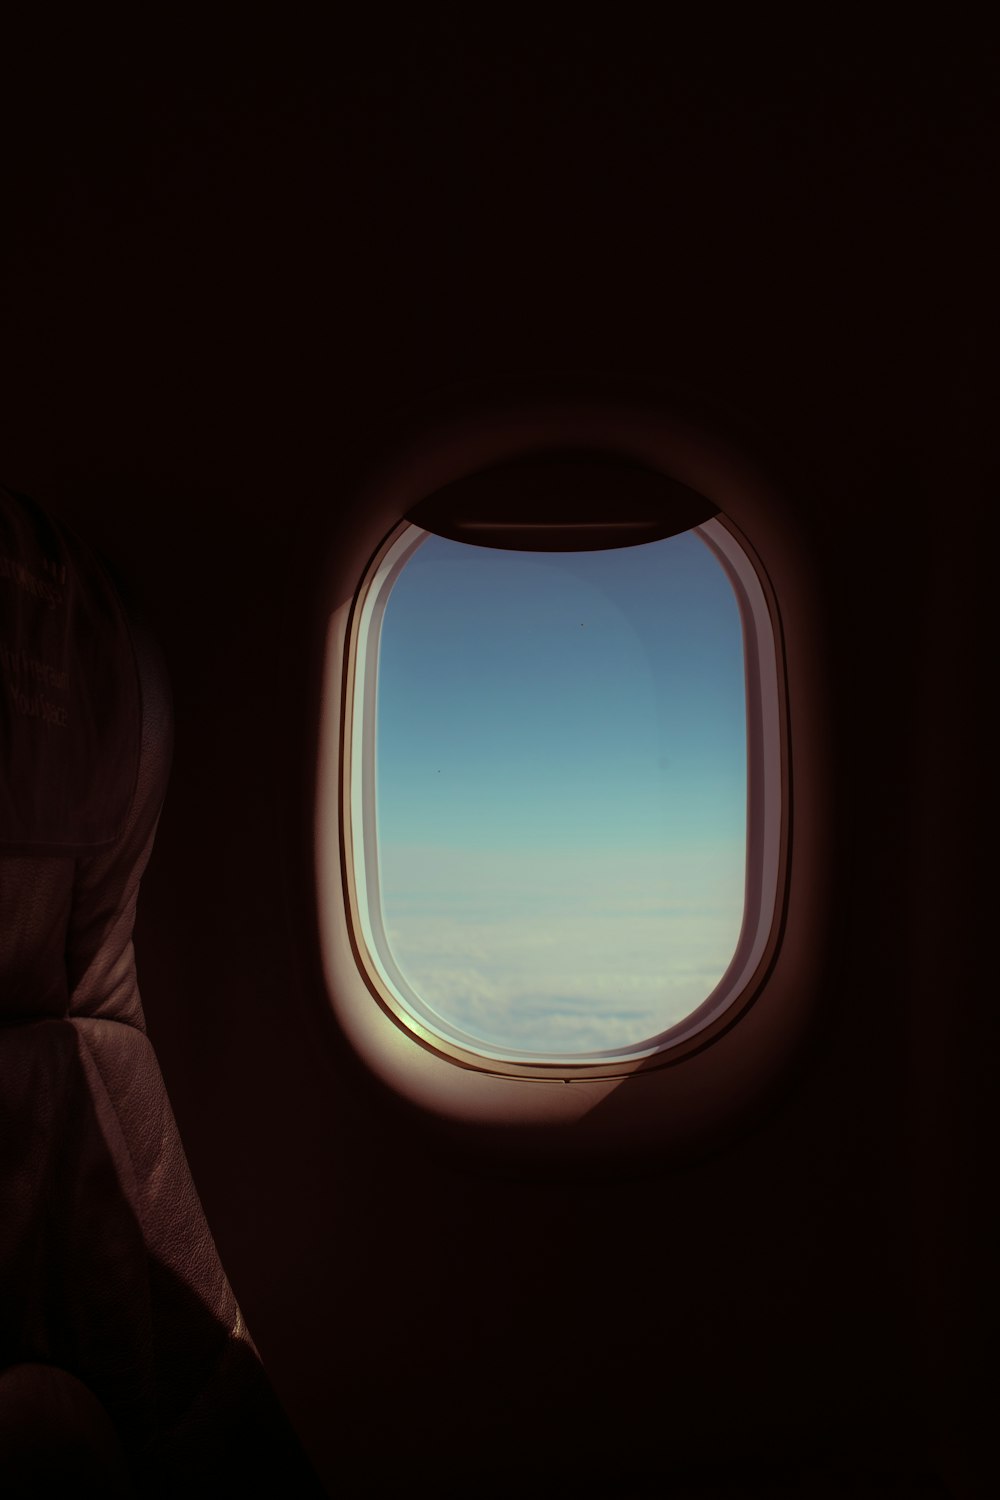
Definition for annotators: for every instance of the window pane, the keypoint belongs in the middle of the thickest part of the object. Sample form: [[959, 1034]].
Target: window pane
[[561, 784]]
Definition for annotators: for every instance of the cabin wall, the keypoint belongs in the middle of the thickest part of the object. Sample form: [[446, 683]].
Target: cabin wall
[[219, 299]]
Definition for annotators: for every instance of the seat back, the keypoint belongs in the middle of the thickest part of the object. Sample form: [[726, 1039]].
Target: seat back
[[108, 1270]]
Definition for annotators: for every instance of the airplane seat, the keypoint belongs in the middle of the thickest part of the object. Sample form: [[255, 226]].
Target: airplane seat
[[55, 1432], [108, 1270]]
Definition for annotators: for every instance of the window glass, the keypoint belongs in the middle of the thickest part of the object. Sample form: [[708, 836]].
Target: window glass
[[560, 790]]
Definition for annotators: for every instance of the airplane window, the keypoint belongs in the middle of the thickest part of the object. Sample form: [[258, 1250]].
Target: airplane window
[[551, 776]]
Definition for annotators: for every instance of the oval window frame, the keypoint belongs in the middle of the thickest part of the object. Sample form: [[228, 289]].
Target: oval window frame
[[693, 1096], [765, 833]]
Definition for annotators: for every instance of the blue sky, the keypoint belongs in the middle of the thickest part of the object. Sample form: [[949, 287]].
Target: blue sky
[[561, 787]]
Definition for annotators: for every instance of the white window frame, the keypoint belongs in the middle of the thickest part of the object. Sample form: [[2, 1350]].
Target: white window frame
[[765, 841]]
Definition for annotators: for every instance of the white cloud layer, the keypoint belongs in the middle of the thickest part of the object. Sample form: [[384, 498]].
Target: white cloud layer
[[563, 952]]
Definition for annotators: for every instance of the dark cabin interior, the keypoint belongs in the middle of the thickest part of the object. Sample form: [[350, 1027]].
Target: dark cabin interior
[[235, 266]]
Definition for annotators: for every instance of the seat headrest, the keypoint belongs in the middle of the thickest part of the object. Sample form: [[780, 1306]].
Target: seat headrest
[[70, 708]]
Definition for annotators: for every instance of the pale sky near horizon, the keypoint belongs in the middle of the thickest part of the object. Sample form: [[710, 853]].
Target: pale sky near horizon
[[561, 788]]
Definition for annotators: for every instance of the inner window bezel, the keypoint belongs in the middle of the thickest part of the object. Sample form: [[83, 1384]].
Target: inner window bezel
[[766, 842]]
